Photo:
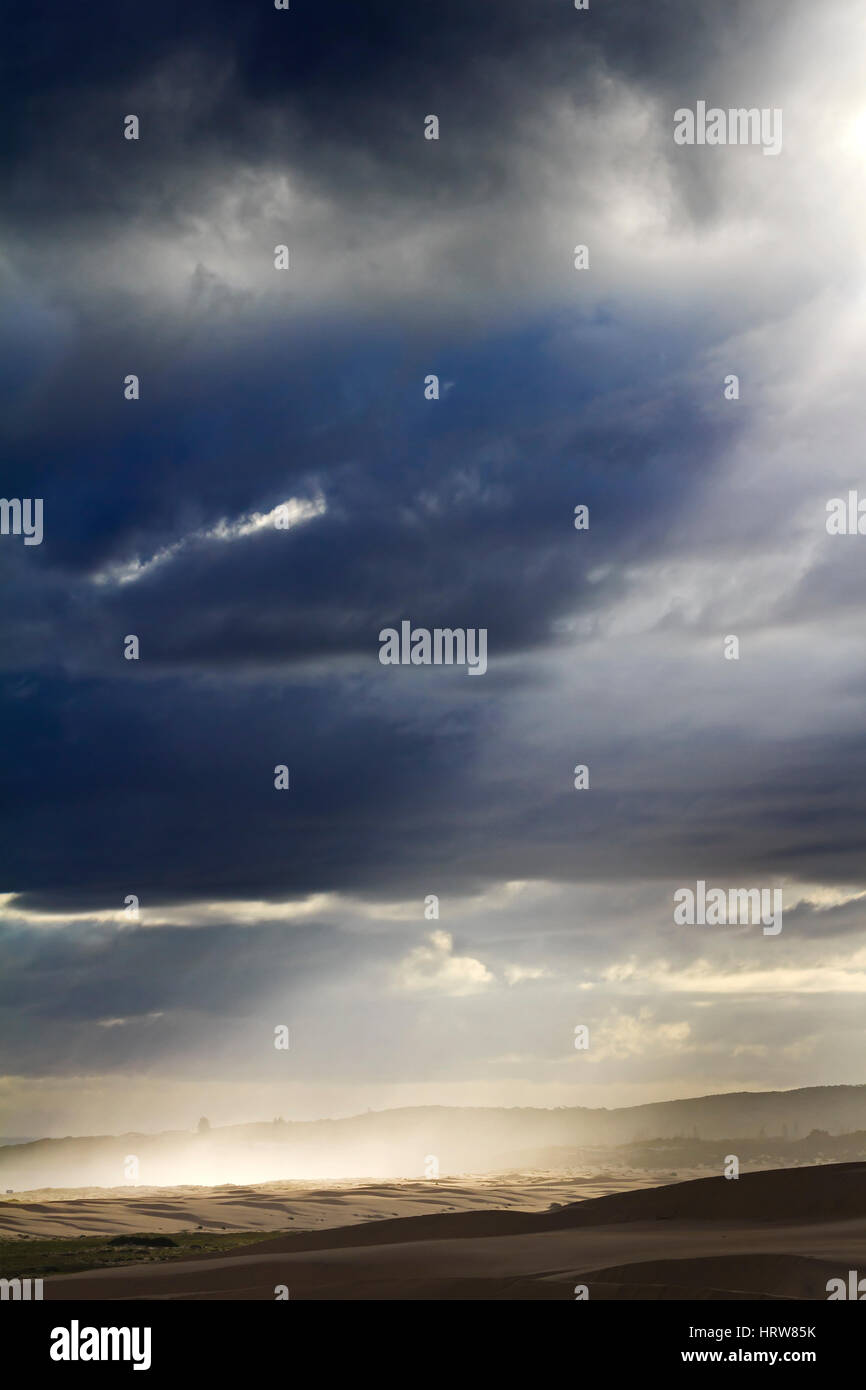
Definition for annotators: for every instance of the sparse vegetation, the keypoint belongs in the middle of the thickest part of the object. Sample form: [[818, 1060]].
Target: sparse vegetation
[[39, 1259]]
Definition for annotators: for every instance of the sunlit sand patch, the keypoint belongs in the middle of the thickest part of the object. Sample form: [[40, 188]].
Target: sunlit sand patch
[[280, 1205]]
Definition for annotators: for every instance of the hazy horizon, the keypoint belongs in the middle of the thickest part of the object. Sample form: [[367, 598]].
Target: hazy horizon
[[263, 1119]]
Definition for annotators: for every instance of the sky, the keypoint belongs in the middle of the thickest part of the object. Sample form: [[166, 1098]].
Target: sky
[[300, 394]]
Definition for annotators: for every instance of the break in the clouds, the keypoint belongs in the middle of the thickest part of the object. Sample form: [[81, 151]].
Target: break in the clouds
[[283, 485]]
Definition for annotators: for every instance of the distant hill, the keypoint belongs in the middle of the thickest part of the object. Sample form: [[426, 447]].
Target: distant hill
[[401, 1143]]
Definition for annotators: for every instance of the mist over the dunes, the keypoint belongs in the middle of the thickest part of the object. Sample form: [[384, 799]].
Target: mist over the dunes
[[805, 1126]]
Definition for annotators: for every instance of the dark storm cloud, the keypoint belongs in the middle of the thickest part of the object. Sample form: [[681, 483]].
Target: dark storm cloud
[[193, 766], [350, 75], [334, 98], [463, 518], [165, 790], [156, 778]]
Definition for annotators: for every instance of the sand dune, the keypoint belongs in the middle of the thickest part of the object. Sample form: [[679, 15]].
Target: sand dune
[[769, 1235], [829, 1193], [280, 1205]]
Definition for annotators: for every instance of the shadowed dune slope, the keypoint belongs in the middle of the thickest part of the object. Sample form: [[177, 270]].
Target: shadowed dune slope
[[719, 1276], [831, 1192], [834, 1192]]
